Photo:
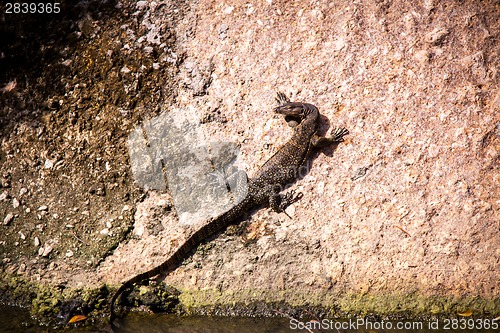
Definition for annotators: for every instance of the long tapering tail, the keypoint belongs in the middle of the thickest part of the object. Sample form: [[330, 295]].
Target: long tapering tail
[[213, 226]]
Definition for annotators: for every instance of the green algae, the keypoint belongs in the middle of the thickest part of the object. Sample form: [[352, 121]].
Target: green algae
[[412, 305], [54, 304]]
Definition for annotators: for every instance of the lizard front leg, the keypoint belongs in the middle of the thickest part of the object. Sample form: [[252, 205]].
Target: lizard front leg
[[279, 202], [336, 136]]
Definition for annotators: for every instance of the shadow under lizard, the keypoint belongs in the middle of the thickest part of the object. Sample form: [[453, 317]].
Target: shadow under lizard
[[279, 171]]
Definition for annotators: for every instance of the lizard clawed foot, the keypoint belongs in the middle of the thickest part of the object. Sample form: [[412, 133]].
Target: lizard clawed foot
[[280, 202], [281, 99], [338, 133], [336, 136], [289, 198]]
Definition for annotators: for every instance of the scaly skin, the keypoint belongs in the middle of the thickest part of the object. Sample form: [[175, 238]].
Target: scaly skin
[[279, 171]]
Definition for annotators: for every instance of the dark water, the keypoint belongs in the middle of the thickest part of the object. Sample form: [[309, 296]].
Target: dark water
[[174, 324], [15, 320], [18, 320]]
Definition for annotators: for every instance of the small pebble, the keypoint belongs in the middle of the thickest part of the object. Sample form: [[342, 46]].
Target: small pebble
[[48, 164], [45, 250], [21, 269], [125, 70], [43, 208], [15, 203], [290, 210], [37, 241], [8, 219]]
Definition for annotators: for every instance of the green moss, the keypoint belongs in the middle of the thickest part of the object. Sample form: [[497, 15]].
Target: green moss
[[46, 302], [51, 305], [397, 305]]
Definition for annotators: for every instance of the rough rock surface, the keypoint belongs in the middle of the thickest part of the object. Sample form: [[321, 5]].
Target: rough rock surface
[[402, 218]]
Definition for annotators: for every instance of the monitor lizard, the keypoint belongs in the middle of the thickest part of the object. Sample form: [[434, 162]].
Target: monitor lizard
[[279, 171]]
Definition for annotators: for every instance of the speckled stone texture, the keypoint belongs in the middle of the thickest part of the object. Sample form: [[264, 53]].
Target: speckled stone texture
[[403, 217]]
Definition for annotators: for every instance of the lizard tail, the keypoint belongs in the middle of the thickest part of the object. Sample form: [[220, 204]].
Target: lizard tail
[[166, 267], [178, 256]]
